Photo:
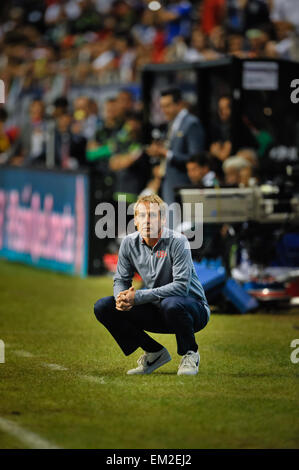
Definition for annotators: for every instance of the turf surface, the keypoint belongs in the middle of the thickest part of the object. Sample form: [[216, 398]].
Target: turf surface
[[245, 395]]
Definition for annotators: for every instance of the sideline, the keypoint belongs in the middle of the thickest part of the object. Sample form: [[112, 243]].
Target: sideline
[[32, 440]]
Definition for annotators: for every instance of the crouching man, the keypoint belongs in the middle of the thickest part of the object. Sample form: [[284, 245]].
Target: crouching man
[[173, 300]]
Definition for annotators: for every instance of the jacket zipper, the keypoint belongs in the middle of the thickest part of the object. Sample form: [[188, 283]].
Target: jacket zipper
[[152, 267]]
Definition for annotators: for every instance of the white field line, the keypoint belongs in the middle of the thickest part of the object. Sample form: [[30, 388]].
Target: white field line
[[22, 353], [93, 379], [30, 439], [52, 366]]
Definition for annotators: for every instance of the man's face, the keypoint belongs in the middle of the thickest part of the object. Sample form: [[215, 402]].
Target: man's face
[[125, 102], [198, 40], [196, 172], [169, 107], [110, 110], [36, 111], [81, 103], [235, 43], [245, 175], [121, 45], [64, 122], [224, 109], [232, 176], [148, 219]]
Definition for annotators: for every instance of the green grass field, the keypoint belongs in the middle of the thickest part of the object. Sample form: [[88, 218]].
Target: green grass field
[[245, 395]]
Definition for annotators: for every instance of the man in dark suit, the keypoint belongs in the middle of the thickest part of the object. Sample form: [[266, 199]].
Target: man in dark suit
[[70, 145], [185, 138]]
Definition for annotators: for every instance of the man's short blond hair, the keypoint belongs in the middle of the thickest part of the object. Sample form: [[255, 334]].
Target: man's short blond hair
[[154, 199]]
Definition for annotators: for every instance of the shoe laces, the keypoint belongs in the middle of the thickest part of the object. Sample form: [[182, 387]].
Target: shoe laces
[[188, 360]]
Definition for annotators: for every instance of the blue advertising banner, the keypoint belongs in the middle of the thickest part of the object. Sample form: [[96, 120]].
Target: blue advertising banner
[[44, 218]]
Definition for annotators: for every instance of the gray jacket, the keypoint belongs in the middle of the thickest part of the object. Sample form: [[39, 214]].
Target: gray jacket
[[166, 269], [187, 141]]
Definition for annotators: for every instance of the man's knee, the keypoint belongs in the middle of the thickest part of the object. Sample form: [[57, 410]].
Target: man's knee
[[173, 306], [103, 307]]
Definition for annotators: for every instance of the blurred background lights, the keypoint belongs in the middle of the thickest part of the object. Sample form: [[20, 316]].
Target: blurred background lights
[[154, 6]]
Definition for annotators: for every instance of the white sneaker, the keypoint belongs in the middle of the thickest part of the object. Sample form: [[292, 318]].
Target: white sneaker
[[189, 363], [148, 362]]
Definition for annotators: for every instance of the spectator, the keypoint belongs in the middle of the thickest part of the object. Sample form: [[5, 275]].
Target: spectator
[[198, 48], [246, 177], [86, 20], [236, 45], [232, 171], [249, 175], [285, 11], [221, 145], [145, 31], [60, 106], [125, 102], [125, 58], [255, 14], [212, 14], [176, 51], [250, 155], [30, 147], [176, 18], [246, 14], [104, 144], [125, 15], [258, 40], [69, 147], [282, 46], [85, 115], [105, 60], [185, 137], [130, 164], [5, 141], [217, 40], [199, 170]]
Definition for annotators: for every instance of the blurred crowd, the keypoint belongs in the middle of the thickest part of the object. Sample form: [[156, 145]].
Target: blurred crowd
[[110, 144], [47, 46], [101, 41]]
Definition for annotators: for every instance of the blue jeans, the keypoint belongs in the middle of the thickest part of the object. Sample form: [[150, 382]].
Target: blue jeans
[[182, 316]]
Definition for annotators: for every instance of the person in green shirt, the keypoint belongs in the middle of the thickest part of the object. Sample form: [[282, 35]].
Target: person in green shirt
[[130, 164], [104, 143]]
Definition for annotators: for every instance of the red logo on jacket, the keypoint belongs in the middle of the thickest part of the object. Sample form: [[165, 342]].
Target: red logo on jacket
[[161, 254]]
